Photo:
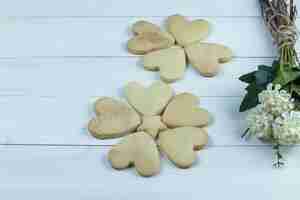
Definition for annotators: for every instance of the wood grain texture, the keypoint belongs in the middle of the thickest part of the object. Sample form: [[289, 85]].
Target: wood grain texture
[[63, 121], [86, 77], [57, 96], [92, 37], [58, 8], [84, 172], [92, 8], [56, 56]]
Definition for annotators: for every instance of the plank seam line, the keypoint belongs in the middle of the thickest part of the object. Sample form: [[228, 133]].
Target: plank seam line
[[58, 97], [103, 145], [126, 16], [108, 57], [120, 16]]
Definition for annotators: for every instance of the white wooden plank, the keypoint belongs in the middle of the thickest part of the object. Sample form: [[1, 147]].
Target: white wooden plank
[[56, 8], [44, 120], [62, 8], [58, 91], [84, 172], [86, 77], [247, 37]]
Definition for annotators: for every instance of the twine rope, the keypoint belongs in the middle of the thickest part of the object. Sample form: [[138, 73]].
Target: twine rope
[[284, 33]]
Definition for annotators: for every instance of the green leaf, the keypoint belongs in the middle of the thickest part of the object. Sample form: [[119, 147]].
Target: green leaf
[[275, 65], [286, 74], [262, 77], [258, 81], [250, 101], [251, 98], [296, 97], [279, 79], [290, 74], [295, 88], [248, 78], [266, 68]]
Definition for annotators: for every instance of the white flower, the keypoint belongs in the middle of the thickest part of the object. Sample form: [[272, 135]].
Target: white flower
[[276, 101], [260, 122], [286, 128], [274, 119]]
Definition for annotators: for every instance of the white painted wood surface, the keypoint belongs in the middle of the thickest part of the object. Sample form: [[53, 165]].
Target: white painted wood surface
[[87, 76], [95, 8], [83, 173], [59, 8], [107, 36], [57, 56]]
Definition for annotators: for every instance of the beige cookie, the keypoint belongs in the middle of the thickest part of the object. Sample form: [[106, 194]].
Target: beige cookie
[[148, 38], [152, 125], [180, 144], [144, 27], [113, 119], [187, 32], [138, 149], [141, 27], [206, 57], [148, 101], [183, 110], [170, 62]]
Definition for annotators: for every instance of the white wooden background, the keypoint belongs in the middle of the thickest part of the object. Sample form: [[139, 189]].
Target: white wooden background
[[56, 56]]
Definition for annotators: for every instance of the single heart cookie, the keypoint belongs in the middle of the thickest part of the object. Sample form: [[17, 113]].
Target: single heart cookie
[[152, 125], [170, 63], [138, 149], [141, 27], [187, 32], [148, 101], [148, 38], [144, 27], [183, 111], [113, 119], [206, 57], [180, 144]]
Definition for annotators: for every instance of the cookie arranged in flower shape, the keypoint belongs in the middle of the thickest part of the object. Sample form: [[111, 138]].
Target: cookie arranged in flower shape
[[171, 63], [148, 38], [139, 150], [167, 55], [155, 116], [206, 57], [113, 119], [180, 144], [148, 101], [187, 32], [152, 125], [183, 110]]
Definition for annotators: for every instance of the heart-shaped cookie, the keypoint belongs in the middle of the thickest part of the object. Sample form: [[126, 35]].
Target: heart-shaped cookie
[[183, 111], [142, 26], [138, 149], [170, 62], [148, 101], [113, 119], [180, 144], [186, 32], [152, 125], [206, 57], [148, 38]]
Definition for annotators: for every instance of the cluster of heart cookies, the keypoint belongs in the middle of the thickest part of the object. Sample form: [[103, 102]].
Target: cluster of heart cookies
[[155, 119], [166, 52]]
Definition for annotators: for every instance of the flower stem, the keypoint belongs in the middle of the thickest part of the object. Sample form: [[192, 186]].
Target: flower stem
[[245, 133], [279, 159]]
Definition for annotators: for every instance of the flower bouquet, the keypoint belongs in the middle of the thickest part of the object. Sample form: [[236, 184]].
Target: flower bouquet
[[273, 92]]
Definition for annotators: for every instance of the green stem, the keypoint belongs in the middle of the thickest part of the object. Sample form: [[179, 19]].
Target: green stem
[[279, 159], [245, 133], [288, 55]]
